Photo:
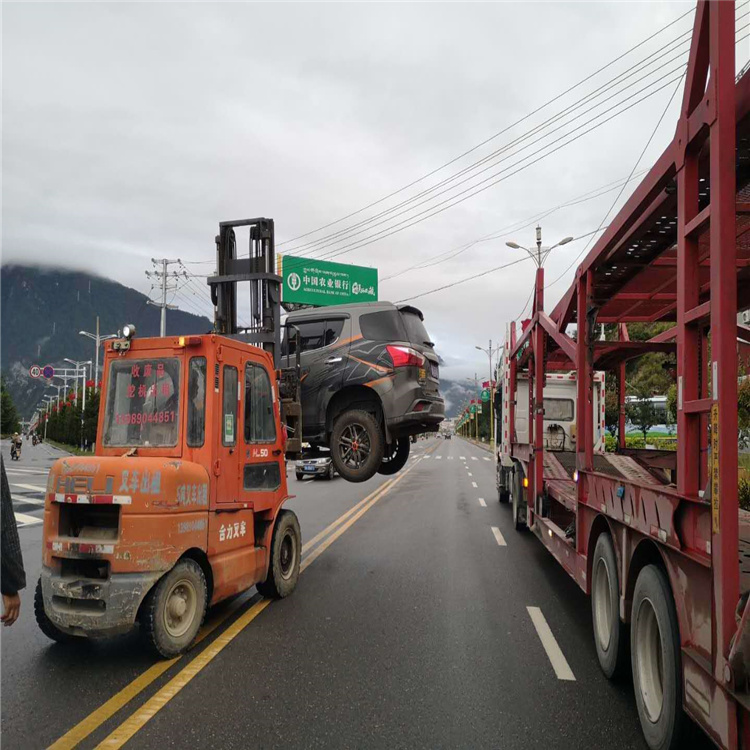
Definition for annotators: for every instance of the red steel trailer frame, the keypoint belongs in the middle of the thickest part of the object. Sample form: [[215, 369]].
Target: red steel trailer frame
[[679, 251]]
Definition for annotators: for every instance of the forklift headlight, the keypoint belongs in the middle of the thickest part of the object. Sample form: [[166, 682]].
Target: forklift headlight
[[128, 331]]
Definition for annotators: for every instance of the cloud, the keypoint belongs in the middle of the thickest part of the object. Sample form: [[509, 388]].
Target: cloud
[[131, 130]]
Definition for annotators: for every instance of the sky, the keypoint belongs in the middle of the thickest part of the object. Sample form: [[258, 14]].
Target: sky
[[131, 130]]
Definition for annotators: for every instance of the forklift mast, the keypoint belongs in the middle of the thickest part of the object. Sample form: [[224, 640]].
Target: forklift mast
[[258, 268]]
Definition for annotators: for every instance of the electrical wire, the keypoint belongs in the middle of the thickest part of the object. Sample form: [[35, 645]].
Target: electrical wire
[[494, 136], [619, 195], [478, 275]]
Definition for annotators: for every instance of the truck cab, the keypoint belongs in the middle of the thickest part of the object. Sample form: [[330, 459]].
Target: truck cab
[[181, 505]]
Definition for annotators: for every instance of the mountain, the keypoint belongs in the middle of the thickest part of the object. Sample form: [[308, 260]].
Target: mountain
[[44, 308], [456, 394]]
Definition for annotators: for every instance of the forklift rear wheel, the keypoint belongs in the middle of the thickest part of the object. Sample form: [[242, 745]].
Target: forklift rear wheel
[[286, 550], [357, 445], [45, 624], [655, 658], [395, 457], [519, 505], [173, 611], [610, 634]]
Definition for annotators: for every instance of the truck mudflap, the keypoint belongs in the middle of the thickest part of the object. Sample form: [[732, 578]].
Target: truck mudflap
[[94, 607]]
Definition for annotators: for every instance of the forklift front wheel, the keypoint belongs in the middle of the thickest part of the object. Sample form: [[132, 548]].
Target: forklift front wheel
[[173, 611], [286, 550]]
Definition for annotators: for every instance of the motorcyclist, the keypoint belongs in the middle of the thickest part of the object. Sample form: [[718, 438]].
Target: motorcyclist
[[16, 443]]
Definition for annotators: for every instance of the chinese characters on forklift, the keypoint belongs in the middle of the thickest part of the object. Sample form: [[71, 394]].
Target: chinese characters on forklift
[[142, 406]]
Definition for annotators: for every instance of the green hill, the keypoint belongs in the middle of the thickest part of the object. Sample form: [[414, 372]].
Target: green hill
[[43, 309]]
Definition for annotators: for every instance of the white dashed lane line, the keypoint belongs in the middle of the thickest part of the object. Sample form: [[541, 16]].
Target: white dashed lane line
[[554, 652], [499, 538], [473, 484], [470, 474], [482, 503]]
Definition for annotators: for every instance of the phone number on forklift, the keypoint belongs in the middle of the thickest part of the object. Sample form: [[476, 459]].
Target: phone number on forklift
[[145, 417]]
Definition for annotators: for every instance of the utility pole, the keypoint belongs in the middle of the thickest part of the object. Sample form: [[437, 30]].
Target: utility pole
[[163, 276], [98, 339], [81, 367]]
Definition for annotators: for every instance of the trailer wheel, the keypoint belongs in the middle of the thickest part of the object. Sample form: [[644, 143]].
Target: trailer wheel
[[357, 445], [173, 611], [655, 657], [45, 624], [395, 457], [519, 506], [610, 634], [286, 550]]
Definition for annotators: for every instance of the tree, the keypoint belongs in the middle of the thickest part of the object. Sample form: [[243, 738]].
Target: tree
[[611, 408], [670, 419], [641, 411], [9, 422]]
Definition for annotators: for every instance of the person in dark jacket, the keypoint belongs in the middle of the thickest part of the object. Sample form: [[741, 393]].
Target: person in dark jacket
[[13, 577]]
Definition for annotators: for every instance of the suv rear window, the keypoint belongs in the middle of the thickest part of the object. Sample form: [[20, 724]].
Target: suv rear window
[[142, 407], [386, 325], [415, 328]]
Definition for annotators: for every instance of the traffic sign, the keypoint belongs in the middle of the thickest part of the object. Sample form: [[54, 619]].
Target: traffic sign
[[486, 395], [473, 408], [48, 371], [479, 408], [35, 371]]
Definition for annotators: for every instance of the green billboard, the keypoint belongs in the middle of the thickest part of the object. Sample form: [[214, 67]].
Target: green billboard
[[308, 281]]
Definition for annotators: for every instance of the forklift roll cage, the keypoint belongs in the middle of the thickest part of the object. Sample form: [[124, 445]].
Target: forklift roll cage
[[679, 251]]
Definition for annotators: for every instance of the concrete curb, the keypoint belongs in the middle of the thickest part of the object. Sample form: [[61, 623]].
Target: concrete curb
[[483, 446]]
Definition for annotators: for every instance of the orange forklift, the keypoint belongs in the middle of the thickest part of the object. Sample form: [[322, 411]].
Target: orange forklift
[[182, 504]]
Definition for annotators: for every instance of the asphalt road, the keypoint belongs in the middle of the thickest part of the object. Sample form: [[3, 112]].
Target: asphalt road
[[410, 627]]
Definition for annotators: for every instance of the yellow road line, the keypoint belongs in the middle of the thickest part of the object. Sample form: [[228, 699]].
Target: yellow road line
[[149, 709], [138, 720], [95, 719]]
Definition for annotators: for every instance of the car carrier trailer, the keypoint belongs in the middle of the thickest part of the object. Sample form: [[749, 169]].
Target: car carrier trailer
[[655, 539]]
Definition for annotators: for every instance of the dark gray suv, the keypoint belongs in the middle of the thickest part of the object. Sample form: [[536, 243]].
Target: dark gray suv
[[369, 381]]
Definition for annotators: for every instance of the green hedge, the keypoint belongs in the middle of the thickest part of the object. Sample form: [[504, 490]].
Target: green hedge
[[665, 443]]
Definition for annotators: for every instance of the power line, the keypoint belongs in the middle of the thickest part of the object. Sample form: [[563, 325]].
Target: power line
[[515, 227], [477, 275], [492, 137], [471, 192], [635, 166], [611, 84]]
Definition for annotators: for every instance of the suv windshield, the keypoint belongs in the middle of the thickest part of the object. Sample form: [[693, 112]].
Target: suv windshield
[[142, 407]]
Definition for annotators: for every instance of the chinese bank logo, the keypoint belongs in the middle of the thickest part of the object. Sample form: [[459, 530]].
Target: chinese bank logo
[[294, 281]]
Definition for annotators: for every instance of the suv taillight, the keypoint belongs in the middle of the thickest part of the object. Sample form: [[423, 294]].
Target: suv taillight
[[404, 356]]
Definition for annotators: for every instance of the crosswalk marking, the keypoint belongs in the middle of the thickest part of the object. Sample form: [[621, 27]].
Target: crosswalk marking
[[20, 500], [450, 458], [499, 538], [486, 459], [437, 457], [482, 503], [23, 520], [463, 458], [474, 458], [32, 487]]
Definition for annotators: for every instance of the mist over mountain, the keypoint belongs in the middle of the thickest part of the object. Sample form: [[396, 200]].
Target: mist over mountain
[[44, 308]]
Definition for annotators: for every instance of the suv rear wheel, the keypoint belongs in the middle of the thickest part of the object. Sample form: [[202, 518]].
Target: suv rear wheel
[[357, 445], [395, 457]]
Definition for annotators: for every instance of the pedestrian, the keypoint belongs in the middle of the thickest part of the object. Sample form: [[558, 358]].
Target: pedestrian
[[12, 577]]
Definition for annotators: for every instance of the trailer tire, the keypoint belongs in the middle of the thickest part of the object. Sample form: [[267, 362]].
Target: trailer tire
[[610, 633], [173, 610], [357, 445], [395, 457], [286, 550], [516, 496], [45, 624], [655, 658]]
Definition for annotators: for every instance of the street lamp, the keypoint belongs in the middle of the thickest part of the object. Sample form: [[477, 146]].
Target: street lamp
[[540, 254], [98, 339], [490, 352]]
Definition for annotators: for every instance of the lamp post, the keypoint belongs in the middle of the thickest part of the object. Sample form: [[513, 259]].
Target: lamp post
[[81, 367], [98, 339], [490, 352]]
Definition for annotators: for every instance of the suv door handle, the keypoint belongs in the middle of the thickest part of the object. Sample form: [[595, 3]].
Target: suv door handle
[[333, 360]]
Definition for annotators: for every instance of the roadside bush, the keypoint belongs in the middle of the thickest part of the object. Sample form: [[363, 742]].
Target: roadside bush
[[743, 492]]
